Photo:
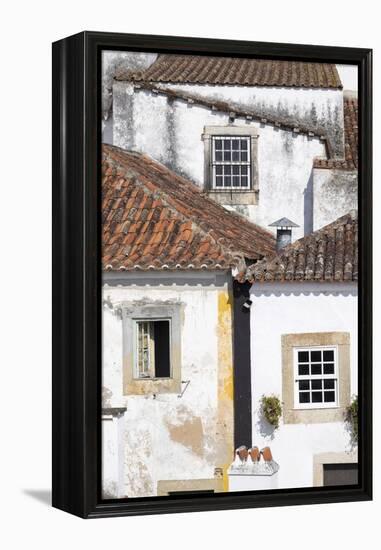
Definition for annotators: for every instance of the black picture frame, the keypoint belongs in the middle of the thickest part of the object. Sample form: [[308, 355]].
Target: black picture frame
[[77, 275]]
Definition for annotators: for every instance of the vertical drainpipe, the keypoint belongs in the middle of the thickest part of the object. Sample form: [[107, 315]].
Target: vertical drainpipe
[[242, 366]]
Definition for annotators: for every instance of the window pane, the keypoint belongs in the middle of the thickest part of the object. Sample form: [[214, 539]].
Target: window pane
[[235, 170], [304, 370], [303, 356], [244, 170], [316, 384], [244, 144], [219, 170], [329, 396], [235, 143], [304, 384], [227, 144], [227, 170], [218, 143], [304, 397], [227, 156], [218, 155], [328, 355], [235, 156], [219, 181], [317, 397], [329, 384], [161, 339], [244, 181], [243, 156], [235, 181], [329, 368], [315, 369], [315, 356], [227, 181]]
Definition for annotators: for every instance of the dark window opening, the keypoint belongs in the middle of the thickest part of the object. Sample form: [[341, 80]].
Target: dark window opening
[[153, 349], [340, 474]]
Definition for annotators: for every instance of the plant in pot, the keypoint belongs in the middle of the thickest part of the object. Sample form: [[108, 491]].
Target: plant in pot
[[271, 408], [352, 418]]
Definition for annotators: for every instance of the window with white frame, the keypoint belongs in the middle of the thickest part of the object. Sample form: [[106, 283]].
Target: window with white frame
[[231, 162], [316, 377], [152, 348]]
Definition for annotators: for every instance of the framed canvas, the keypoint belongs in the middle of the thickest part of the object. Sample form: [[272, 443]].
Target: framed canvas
[[211, 274]]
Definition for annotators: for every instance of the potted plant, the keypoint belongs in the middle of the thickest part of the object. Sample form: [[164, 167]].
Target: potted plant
[[271, 407], [352, 418]]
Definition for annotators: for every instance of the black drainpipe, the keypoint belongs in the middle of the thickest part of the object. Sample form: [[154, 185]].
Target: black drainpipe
[[242, 365]]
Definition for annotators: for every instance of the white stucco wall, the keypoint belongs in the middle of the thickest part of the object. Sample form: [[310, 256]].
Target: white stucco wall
[[291, 102], [113, 434], [297, 308], [171, 133], [335, 193], [158, 443]]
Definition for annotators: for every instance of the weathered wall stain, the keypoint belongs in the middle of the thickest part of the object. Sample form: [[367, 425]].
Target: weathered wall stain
[[335, 194], [225, 442], [138, 479], [188, 431], [106, 397]]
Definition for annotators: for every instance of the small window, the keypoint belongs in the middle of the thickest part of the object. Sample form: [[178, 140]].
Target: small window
[[152, 352], [316, 378], [231, 162]]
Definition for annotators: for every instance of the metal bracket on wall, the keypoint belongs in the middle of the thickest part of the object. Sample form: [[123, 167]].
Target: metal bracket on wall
[[186, 382]]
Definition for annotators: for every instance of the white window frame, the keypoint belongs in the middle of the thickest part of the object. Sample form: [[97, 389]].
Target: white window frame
[[322, 376], [231, 163], [151, 367]]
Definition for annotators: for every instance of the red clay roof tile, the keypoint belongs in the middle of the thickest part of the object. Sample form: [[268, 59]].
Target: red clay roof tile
[[198, 69], [178, 225], [329, 254]]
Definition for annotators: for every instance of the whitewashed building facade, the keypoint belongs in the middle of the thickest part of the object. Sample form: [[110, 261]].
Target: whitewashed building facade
[[194, 138], [168, 369], [304, 351]]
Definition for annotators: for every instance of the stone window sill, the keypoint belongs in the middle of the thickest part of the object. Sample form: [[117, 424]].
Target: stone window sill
[[231, 197]]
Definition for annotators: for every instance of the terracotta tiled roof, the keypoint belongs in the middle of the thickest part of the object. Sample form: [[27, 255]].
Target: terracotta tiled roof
[[226, 70], [350, 137], [327, 255], [155, 219]]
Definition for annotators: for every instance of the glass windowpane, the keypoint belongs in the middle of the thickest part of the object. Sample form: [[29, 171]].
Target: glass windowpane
[[329, 396], [304, 397], [329, 368], [328, 355], [315, 356], [317, 397], [315, 369], [304, 370], [303, 356]]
